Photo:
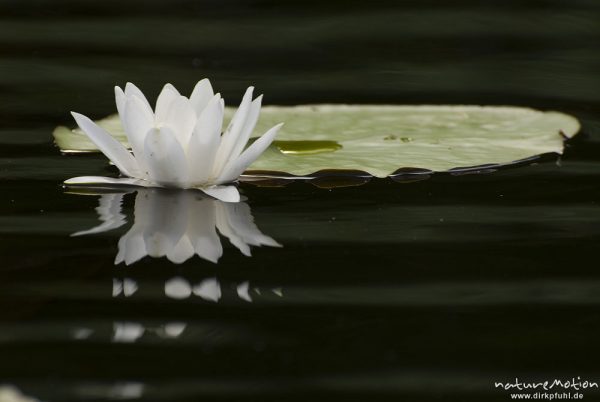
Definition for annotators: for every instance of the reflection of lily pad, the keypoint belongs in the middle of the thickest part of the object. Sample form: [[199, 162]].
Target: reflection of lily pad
[[381, 139]]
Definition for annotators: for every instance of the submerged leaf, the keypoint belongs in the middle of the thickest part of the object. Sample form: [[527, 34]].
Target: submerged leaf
[[380, 140]]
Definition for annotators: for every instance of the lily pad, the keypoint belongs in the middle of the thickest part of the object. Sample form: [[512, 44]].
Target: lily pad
[[380, 140]]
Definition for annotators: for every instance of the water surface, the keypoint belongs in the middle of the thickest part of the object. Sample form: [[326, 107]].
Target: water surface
[[429, 290]]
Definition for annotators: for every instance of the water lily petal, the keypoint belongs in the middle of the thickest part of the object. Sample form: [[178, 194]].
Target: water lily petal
[[234, 170], [101, 181], [137, 121], [204, 142], [233, 133], [163, 103], [223, 193], [249, 125], [134, 130], [201, 95], [109, 146], [181, 118], [132, 90], [165, 158], [244, 136], [120, 99]]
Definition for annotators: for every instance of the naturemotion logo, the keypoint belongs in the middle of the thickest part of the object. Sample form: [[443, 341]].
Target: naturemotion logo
[[569, 388]]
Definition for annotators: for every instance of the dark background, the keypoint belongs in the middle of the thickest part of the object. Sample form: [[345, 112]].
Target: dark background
[[415, 291]]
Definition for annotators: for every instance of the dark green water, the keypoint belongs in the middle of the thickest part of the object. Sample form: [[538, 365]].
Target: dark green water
[[423, 291]]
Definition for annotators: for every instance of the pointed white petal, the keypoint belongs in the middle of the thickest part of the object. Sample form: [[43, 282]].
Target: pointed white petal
[[109, 146], [181, 118], [163, 103], [137, 122], [252, 153], [132, 90], [201, 95], [249, 125], [223, 193], [241, 142], [100, 181], [203, 145], [165, 158], [141, 118], [120, 99], [233, 133]]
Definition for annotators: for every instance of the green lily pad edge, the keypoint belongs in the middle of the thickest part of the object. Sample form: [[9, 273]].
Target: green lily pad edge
[[381, 140]]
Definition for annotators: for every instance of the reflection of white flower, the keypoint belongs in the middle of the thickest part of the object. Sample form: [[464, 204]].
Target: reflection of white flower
[[173, 329], [126, 287], [179, 288], [126, 390], [179, 144], [127, 332], [209, 289], [243, 291], [179, 224]]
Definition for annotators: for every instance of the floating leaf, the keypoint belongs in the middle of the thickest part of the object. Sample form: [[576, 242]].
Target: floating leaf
[[75, 141], [379, 140]]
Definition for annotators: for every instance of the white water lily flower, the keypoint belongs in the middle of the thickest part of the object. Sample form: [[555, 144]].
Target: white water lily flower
[[179, 144]]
